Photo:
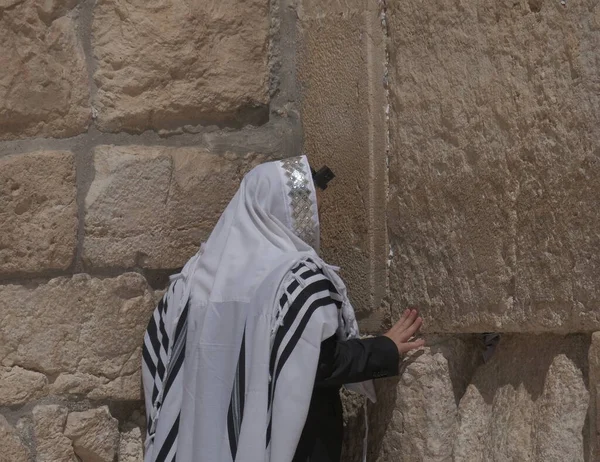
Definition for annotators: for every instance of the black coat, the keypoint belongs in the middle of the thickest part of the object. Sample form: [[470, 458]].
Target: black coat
[[340, 363]]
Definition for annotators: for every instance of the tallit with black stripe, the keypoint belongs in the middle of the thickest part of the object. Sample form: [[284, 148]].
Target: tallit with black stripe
[[163, 356], [252, 309]]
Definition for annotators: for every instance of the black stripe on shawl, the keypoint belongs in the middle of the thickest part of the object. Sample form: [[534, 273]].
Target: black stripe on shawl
[[235, 415], [152, 368], [319, 303], [293, 286], [296, 306], [148, 360], [161, 326], [157, 368], [307, 274], [324, 284], [178, 353], [170, 373], [153, 336], [182, 321], [168, 444]]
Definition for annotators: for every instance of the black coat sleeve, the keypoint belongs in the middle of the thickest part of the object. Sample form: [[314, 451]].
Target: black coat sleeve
[[356, 360]]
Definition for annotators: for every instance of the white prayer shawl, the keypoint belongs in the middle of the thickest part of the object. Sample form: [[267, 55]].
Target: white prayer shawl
[[226, 402]]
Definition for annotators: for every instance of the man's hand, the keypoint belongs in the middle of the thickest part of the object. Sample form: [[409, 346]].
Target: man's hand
[[404, 330]]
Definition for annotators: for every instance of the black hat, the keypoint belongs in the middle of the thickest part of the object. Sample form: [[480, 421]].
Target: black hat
[[322, 177]]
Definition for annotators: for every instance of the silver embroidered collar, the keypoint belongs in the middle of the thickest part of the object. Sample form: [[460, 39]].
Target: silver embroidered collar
[[299, 192]]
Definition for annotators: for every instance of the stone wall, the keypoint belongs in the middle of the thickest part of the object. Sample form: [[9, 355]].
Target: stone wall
[[465, 138], [125, 128], [493, 227]]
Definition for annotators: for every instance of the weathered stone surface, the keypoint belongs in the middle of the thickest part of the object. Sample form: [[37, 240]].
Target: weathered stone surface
[[125, 388], [95, 434], [529, 403], [44, 88], [420, 414], [495, 167], [594, 387], [51, 443], [50, 10], [18, 385], [76, 384], [354, 426], [12, 448], [152, 206], [131, 447], [163, 64], [89, 328], [38, 211], [340, 72]]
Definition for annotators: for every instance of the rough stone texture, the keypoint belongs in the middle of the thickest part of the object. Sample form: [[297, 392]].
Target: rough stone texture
[[417, 418], [44, 89], [12, 448], [495, 165], [18, 385], [51, 443], [76, 384], [494, 171], [354, 426], [125, 388], [152, 206], [89, 328], [529, 403], [38, 211], [340, 72], [95, 434], [594, 387], [131, 447], [162, 64]]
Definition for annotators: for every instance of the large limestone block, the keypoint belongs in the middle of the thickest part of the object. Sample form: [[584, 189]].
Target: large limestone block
[[419, 416], [529, 403], [44, 88], [340, 73], [18, 385], [95, 434], [51, 443], [12, 448], [38, 211], [87, 330], [164, 63], [494, 165], [152, 206]]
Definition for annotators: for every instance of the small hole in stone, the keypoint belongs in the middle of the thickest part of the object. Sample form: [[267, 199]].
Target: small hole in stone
[[535, 5]]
